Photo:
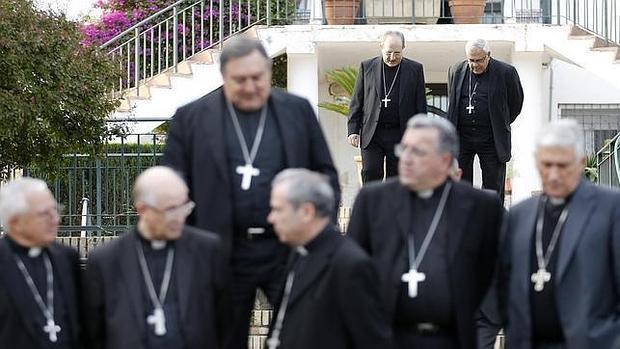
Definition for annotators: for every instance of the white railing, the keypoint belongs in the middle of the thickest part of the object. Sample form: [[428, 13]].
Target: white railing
[[187, 27]]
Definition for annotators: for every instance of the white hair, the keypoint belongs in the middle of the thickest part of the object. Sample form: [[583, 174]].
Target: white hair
[[565, 133], [13, 197], [477, 45]]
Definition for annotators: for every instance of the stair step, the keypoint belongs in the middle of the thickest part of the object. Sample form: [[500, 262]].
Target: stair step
[[144, 93], [161, 81], [602, 45], [205, 57], [578, 33]]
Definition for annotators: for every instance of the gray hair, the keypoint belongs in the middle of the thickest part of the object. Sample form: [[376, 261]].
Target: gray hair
[[306, 186], [240, 47], [148, 180], [477, 45], [565, 133], [395, 33], [448, 139], [13, 197]]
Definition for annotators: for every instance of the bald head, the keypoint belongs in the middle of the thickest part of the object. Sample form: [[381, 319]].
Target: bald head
[[156, 182], [160, 197]]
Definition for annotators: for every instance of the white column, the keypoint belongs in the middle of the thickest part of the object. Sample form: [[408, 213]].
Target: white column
[[303, 73], [535, 113]]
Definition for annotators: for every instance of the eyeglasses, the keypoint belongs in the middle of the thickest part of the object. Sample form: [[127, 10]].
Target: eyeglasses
[[401, 150], [175, 211], [477, 61]]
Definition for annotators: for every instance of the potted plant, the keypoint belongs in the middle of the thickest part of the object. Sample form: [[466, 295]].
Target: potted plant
[[340, 12], [467, 11]]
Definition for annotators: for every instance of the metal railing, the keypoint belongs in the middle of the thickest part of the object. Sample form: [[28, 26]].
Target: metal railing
[[178, 32], [608, 166], [105, 182], [163, 40]]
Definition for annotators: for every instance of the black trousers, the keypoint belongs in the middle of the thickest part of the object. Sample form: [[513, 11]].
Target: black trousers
[[493, 170], [381, 147], [256, 264]]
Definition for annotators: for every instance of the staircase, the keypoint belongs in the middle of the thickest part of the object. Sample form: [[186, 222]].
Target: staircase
[[171, 57], [589, 51]]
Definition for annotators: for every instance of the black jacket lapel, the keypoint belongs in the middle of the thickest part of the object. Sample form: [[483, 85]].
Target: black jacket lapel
[[457, 213], [580, 208], [214, 134], [133, 277], [10, 275], [314, 265], [184, 272], [289, 139], [64, 271], [377, 76]]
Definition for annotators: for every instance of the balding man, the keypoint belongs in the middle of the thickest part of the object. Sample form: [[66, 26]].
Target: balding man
[[38, 277], [388, 91], [159, 285], [485, 97]]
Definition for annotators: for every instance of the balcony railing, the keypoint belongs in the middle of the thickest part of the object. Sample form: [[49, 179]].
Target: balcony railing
[[608, 166], [187, 27]]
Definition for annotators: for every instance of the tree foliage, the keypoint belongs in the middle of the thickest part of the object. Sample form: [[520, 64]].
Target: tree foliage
[[53, 91]]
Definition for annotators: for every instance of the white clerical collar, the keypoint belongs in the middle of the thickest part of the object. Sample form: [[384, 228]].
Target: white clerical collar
[[557, 201], [34, 252], [425, 194], [158, 244], [303, 251]]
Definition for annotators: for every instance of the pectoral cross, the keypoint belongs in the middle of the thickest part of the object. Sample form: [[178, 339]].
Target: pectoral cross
[[470, 109], [539, 278], [412, 278], [52, 329], [247, 171], [158, 320], [273, 343], [385, 101]]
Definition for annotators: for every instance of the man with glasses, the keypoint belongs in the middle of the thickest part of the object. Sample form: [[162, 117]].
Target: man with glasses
[[39, 306], [160, 285], [485, 97], [434, 240], [388, 91]]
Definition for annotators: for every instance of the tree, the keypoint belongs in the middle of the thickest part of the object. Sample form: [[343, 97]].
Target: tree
[[53, 91]]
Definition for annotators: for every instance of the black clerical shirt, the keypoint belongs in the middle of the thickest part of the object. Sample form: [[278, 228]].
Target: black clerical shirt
[[475, 127], [434, 300], [156, 261], [251, 207], [546, 325], [36, 269], [389, 117]]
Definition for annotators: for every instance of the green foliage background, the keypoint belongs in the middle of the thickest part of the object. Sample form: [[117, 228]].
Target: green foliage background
[[53, 91]]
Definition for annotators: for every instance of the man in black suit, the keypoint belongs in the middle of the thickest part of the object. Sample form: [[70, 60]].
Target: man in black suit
[[159, 285], [331, 297], [559, 276], [433, 240], [388, 91], [485, 97], [39, 285], [229, 145]]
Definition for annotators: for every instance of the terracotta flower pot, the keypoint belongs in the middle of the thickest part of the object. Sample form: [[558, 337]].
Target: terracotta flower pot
[[467, 11], [341, 12]]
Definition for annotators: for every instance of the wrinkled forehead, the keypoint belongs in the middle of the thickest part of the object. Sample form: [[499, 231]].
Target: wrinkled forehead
[[560, 155]]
